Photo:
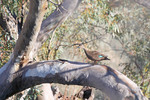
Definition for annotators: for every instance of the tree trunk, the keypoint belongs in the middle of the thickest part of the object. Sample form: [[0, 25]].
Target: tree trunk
[[18, 74]]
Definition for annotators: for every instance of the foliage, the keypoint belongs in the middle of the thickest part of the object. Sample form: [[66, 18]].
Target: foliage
[[15, 6], [126, 21], [6, 47], [130, 27], [85, 27], [33, 93], [134, 37]]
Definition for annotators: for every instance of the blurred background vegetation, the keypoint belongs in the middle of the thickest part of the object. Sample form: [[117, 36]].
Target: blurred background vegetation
[[119, 29]]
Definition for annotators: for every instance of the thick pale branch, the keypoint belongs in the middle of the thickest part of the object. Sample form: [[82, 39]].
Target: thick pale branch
[[24, 47], [30, 39], [57, 17], [113, 83], [49, 25], [33, 33]]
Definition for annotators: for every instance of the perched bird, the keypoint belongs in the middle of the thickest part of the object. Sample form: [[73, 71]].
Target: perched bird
[[95, 55]]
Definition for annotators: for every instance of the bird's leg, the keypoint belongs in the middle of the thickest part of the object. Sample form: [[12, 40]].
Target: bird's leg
[[94, 62]]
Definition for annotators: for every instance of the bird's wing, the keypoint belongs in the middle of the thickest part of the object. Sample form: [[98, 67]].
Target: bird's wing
[[95, 53]]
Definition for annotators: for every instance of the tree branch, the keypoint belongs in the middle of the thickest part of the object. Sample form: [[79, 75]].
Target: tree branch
[[8, 23], [26, 50], [30, 39], [111, 82], [114, 84], [24, 46], [145, 3], [57, 18]]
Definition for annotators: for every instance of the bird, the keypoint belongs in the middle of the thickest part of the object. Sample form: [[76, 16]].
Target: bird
[[95, 56]]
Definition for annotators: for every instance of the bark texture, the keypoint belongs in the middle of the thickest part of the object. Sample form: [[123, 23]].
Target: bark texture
[[17, 74], [32, 37], [114, 84]]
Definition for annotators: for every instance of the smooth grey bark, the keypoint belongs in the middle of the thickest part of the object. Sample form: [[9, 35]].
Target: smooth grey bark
[[114, 84], [22, 49], [32, 37], [54, 20], [17, 74]]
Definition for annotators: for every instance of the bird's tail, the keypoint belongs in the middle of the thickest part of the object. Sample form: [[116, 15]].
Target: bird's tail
[[106, 58]]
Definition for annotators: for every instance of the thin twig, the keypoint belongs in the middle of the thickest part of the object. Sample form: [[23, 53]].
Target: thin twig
[[54, 3]]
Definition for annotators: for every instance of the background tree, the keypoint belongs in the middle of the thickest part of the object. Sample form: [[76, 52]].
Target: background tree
[[99, 19]]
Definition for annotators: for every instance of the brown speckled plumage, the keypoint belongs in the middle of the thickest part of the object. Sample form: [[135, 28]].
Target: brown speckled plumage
[[95, 56]]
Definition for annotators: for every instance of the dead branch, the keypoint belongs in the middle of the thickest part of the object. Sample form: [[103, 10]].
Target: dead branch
[[111, 82]]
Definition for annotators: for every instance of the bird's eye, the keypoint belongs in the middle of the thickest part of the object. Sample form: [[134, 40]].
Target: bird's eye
[[100, 56]]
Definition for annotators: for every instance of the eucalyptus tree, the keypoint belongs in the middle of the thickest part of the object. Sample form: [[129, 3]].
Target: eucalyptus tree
[[22, 72]]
